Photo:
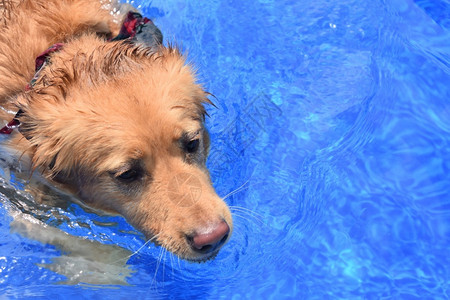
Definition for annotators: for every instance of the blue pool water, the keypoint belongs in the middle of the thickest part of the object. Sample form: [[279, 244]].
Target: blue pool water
[[334, 115]]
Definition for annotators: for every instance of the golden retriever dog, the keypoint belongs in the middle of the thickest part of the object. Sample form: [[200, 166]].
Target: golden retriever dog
[[119, 124]]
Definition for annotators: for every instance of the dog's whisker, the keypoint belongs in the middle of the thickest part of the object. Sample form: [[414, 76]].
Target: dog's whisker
[[164, 264], [246, 219], [239, 189], [179, 264], [138, 250], [171, 264], [256, 222], [246, 210], [251, 214], [161, 251]]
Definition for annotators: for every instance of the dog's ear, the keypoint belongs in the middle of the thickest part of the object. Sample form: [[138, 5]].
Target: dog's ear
[[35, 128], [150, 36]]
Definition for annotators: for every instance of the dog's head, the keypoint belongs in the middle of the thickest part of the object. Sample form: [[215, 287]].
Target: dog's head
[[123, 127]]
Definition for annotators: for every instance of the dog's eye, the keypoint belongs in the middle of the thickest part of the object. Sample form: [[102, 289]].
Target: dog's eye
[[192, 146], [129, 176]]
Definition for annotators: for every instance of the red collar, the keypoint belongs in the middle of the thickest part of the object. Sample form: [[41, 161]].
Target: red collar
[[13, 124], [41, 61], [132, 25]]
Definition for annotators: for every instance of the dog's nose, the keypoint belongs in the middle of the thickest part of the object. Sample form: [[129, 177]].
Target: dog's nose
[[211, 240]]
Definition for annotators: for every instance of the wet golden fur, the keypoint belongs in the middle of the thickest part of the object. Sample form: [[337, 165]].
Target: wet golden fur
[[102, 108]]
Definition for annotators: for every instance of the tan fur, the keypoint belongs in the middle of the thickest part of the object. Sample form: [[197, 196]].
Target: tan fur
[[100, 108]]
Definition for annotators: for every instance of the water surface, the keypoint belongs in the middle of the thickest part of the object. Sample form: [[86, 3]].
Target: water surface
[[335, 117]]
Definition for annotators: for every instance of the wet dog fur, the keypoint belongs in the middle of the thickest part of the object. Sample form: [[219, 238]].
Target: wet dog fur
[[114, 123]]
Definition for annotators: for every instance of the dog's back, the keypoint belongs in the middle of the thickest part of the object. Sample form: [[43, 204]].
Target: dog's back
[[31, 26]]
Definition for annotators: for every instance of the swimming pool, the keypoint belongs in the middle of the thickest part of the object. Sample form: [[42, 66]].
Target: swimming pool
[[333, 116]]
